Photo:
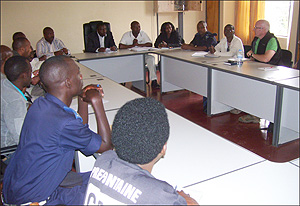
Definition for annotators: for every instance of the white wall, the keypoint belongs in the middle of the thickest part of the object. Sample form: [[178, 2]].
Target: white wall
[[67, 18]]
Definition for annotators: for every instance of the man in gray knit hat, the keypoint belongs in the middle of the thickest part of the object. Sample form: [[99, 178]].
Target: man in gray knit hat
[[140, 132]]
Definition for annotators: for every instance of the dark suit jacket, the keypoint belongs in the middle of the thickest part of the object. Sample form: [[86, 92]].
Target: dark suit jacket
[[93, 41]]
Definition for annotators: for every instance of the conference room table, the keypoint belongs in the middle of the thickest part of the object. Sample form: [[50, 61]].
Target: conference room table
[[115, 95], [252, 88], [120, 66], [197, 158]]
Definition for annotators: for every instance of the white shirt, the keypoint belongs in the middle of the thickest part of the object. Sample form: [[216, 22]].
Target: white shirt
[[45, 48], [128, 37], [235, 45], [101, 40]]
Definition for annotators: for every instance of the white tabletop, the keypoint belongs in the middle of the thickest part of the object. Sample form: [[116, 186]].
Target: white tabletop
[[120, 52], [115, 95], [265, 183], [292, 83], [249, 68], [186, 55], [88, 73], [259, 70], [195, 154]]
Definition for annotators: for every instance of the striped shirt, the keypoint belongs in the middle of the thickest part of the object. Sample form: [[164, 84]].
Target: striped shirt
[[45, 48]]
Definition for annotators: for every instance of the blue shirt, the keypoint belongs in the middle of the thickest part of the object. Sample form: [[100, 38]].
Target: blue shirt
[[48, 140], [206, 40]]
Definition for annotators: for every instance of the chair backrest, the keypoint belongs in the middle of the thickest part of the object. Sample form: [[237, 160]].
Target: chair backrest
[[286, 58], [91, 27], [246, 49]]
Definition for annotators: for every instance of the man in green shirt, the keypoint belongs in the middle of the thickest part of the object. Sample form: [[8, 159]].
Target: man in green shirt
[[265, 46], [266, 49]]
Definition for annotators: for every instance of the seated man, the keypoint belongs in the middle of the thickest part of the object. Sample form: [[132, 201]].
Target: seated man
[[40, 169], [21, 47], [101, 40], [265, 46], [137, 37], [14, 104], [202, 40], [266, 49], [5, 53], [140, 132], [49, 45], [229, 45], [18, 34]]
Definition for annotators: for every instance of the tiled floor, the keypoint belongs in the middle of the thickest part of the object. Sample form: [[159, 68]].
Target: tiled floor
[[249, 136]]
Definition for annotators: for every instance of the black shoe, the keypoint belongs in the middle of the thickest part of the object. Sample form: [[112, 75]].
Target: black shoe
[[270, 127], [154, 84]]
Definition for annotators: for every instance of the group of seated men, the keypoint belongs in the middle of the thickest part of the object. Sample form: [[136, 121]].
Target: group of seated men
[[49, 133]]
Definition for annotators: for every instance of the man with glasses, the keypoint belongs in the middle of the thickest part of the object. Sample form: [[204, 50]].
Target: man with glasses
[[266, 49], [229, 45], [265, 46]]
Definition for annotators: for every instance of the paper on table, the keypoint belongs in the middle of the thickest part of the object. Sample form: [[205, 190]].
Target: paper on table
[[137, 49], [211, 55], [199, 54], [195, 194], [108, 50], [235, 59], [268, 68]]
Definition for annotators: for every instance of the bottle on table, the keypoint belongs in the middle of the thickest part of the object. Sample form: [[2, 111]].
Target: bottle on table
[[239, 57]]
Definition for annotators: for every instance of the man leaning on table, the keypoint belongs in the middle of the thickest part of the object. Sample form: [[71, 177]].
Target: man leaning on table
[[203, 39], [266, 49], [229, 45], [49, 45], [139, 38], [101, 40], [40, 169]]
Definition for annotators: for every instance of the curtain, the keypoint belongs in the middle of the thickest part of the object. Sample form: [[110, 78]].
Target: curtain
[[247, 13]]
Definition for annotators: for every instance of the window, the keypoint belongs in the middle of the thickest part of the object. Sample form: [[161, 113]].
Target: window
[[279, 14]]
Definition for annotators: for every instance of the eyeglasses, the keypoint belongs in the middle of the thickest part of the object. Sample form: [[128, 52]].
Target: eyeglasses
[[258, 27]]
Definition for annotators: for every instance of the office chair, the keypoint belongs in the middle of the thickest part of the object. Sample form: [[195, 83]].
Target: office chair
[[286, 58], [91, 27]]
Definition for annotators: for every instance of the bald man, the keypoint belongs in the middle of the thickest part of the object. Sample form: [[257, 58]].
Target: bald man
[[40, 170], [265, 46], [5, 53], [22, 47]]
